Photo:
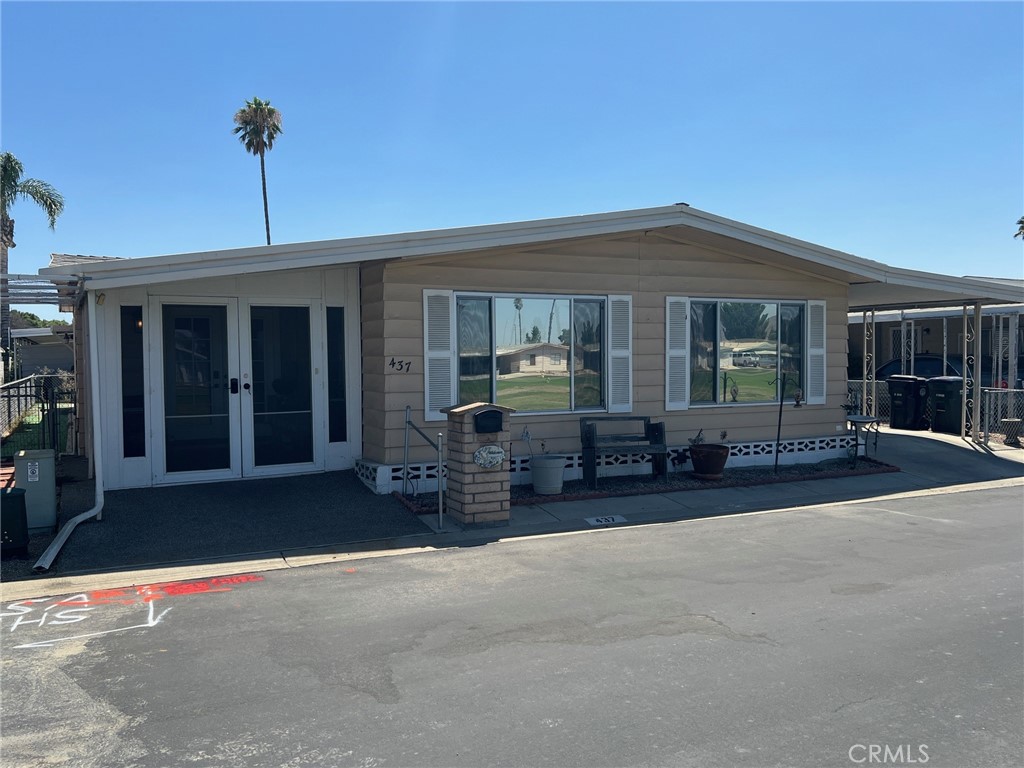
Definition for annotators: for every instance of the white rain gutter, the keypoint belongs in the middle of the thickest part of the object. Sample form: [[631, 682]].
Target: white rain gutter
[[44, 562]]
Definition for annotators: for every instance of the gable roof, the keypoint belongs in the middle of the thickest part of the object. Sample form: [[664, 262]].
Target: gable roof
[[871, 283]]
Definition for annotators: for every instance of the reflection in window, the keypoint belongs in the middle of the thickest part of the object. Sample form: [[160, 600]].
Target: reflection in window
[[703, 324], [515, 351], [748, 352], [791, 348], [526, 380], [588, 352], [740, 349], [474, 344]]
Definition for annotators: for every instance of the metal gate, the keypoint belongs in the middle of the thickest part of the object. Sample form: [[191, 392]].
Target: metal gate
[[38, 412]]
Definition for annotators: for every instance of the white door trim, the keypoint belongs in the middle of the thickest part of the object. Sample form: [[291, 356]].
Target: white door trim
[[156, 364], [318, 383]]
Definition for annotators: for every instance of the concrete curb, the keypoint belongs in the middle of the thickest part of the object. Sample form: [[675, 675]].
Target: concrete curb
[[421, 544]]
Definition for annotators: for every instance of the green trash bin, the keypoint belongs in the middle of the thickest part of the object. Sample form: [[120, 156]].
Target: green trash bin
[[13, 522], [946, 402]]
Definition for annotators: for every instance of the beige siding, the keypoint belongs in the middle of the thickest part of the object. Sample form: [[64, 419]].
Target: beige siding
[[375, 401], [650, 269]]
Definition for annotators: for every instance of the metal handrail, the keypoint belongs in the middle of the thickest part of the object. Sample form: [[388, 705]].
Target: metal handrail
[[439, 447]]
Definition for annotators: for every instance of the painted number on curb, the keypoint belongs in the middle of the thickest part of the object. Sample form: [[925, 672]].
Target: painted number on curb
[[606, 520]]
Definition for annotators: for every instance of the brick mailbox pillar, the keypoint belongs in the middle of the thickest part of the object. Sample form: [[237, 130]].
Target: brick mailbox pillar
[[479, 444]]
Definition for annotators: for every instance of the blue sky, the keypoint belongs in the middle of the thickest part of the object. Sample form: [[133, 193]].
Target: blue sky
[[891, 131]]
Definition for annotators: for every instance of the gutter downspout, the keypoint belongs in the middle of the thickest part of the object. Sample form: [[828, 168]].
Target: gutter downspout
[[44, 562]]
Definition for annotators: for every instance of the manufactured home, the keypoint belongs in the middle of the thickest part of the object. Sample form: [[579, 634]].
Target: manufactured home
[[310, 357]]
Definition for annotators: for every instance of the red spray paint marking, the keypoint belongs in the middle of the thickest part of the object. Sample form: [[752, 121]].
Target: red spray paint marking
[[147, 593]]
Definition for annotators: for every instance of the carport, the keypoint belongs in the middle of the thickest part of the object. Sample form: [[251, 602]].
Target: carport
[[907, 296]]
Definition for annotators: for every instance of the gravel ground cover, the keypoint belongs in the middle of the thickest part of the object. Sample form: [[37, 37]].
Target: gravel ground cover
[[636, 485]]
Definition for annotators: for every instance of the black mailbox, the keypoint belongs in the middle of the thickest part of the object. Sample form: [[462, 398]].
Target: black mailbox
[[487, 421]]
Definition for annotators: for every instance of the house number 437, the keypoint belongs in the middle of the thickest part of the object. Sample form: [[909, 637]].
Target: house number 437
[[402, 366]]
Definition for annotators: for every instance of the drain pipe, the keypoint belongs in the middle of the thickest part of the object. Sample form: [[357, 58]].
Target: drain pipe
[[44, 562]]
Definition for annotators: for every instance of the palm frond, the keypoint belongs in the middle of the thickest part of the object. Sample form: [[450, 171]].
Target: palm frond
[[45, 196], [1020, 228], [12, 187]]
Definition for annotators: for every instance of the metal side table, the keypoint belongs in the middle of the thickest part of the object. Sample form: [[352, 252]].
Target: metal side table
[[863, 425]]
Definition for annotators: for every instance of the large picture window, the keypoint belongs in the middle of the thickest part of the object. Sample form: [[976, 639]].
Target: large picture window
[[533, 354], [724, 351]]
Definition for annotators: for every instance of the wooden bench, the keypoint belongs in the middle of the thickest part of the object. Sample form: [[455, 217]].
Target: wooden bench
[[649, 440]]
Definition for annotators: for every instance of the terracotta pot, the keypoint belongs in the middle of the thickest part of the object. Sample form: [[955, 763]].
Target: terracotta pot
[[709, 460]]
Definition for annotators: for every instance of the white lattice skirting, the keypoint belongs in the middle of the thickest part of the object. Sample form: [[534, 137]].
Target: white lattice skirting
[[385, 478]]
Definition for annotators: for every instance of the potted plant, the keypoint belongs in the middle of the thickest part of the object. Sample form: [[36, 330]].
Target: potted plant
[[547, 471], [708, 458]]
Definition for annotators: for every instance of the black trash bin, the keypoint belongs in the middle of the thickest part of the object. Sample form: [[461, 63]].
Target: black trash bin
[[946, 402], [908, 396], [13, 522]]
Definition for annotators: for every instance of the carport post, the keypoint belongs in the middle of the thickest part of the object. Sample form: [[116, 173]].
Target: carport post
[[1013, 374], [976, 416], [869, 398], [440, 480], [945, 344], [966, 335]]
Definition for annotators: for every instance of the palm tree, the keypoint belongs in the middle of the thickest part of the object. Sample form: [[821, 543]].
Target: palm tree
[[1020, 228], [518, 304], [12, 187], [257, 124]]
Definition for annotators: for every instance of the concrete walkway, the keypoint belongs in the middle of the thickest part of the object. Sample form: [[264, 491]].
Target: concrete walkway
[[373, 526]]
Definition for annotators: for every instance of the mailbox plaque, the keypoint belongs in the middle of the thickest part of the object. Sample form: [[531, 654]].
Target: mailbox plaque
[[488, 456]]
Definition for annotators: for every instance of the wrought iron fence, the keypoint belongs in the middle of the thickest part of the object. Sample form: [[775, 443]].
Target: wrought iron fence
[[998, 407], [38, 412]]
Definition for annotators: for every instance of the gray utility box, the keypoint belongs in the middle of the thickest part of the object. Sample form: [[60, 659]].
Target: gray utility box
[[36, 472]]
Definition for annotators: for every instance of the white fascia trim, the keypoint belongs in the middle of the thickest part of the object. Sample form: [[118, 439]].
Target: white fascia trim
[[969, 288], [187, 266], [114, 273], [875, 271]]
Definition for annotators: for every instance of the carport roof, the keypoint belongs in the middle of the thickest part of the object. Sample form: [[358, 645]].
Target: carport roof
[[872, 284]]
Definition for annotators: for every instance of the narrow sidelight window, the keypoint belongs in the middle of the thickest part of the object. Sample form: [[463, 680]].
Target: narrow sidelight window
[[133, 398], [336, 413]]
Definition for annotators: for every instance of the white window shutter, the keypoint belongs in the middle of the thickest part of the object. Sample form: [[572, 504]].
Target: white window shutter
[[817, 337], [620, 354], [439, 377], [677, 353]]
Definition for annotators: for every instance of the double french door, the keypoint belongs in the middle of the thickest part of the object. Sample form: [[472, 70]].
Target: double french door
[[239, 394]]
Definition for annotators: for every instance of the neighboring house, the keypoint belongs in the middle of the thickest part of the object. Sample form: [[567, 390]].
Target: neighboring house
[[533, 358], [41, 350], [303, 357]]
